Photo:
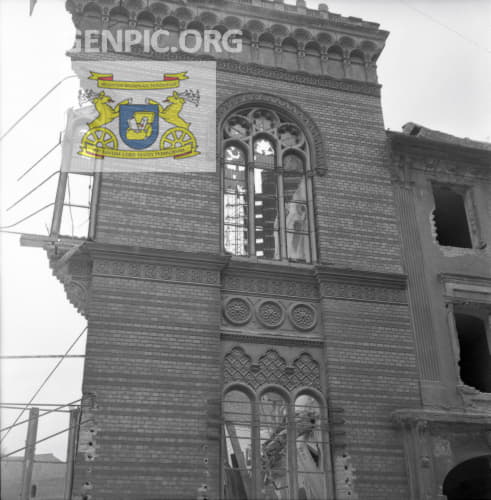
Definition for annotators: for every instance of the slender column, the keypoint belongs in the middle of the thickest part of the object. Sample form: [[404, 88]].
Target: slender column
[[59, 202], [281, 215], [28, 465], [70, 454], [93, 205], [414, 263]]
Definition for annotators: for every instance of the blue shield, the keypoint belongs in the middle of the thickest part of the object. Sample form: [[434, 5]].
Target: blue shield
[[139, 125]]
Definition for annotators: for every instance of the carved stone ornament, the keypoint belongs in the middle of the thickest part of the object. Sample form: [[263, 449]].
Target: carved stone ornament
[[304, 120], [237, 310], [271, 369], [303, 316], [270, 313]]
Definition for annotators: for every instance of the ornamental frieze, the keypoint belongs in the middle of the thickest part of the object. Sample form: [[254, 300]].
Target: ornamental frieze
[[271, 287], [269, 314], [155, 272], [348, 291]]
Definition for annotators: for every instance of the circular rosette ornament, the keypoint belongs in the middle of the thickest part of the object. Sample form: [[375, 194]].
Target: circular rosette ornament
[[270, 314], [303, 316], [237, 311]]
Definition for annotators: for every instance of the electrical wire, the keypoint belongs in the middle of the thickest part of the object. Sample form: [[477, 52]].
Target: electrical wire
[[48, 437], [41, 356], [443, 25], [22, 198], [42, 415], [44, 382], [37, 405], [40, 160], [35, 105], [7, 407], [27, 217], [2, 228]]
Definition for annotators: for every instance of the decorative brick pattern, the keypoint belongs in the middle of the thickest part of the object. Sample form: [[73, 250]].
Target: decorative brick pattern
[[268, 287], [154, 272], [271, 369]]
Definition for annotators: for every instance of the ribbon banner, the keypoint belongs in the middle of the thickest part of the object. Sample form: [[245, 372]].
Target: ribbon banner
[[176, 153], [169, 81], [157, 116]]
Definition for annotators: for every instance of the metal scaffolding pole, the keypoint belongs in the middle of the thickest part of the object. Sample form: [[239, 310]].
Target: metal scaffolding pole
[[29, 453]]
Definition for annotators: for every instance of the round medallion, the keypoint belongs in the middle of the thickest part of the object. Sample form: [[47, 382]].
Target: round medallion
[[303, 316], [270, 314], [237, 311]]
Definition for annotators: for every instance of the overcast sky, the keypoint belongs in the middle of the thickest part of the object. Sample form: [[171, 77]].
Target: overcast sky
[[435, 70]]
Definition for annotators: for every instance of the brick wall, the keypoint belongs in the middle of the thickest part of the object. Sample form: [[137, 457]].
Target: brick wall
[[153, 352], [370, 360], [152, 363], [354, 202]]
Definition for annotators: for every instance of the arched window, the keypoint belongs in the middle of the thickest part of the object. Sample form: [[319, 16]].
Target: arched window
[[310, 449], [238, 460], [267, 194], [275, 448]]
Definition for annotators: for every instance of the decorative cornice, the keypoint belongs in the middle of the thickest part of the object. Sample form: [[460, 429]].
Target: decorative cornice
[[270, 280], [264, 16], [252, 69], [419, 147], [359, 277], [467, 279], [416, 417], [466, 288], [74, 271], [363, 286], [299, 77], [149, 264], [263, 269], [154, 256]]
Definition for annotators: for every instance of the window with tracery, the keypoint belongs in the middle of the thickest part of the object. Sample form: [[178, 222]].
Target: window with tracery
[[274, 446], [267, 190]]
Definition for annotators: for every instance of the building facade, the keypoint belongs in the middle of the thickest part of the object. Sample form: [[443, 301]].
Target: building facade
[[309, 322]]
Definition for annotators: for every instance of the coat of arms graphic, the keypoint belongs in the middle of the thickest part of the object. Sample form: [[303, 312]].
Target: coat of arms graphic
[[139, 124]]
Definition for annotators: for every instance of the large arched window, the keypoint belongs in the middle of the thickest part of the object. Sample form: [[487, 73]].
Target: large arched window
[[275, 445], [267, 187]]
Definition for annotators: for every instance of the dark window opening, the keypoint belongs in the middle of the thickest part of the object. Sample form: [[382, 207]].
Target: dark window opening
[[452, 228], [470, 480], [475, 358]]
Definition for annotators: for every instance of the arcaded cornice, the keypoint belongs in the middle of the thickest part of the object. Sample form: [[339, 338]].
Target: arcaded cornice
[[351, 44]]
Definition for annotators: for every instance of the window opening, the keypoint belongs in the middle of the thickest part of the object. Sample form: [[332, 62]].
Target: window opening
[[238, 445], [470, 480], [475, 356], [267, 190], [76, 214], [310, 453], [274, 448], [235, 201], [451, 225]]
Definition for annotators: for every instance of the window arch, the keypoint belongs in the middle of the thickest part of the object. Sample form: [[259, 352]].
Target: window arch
[[267, 186], [275, 444]]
